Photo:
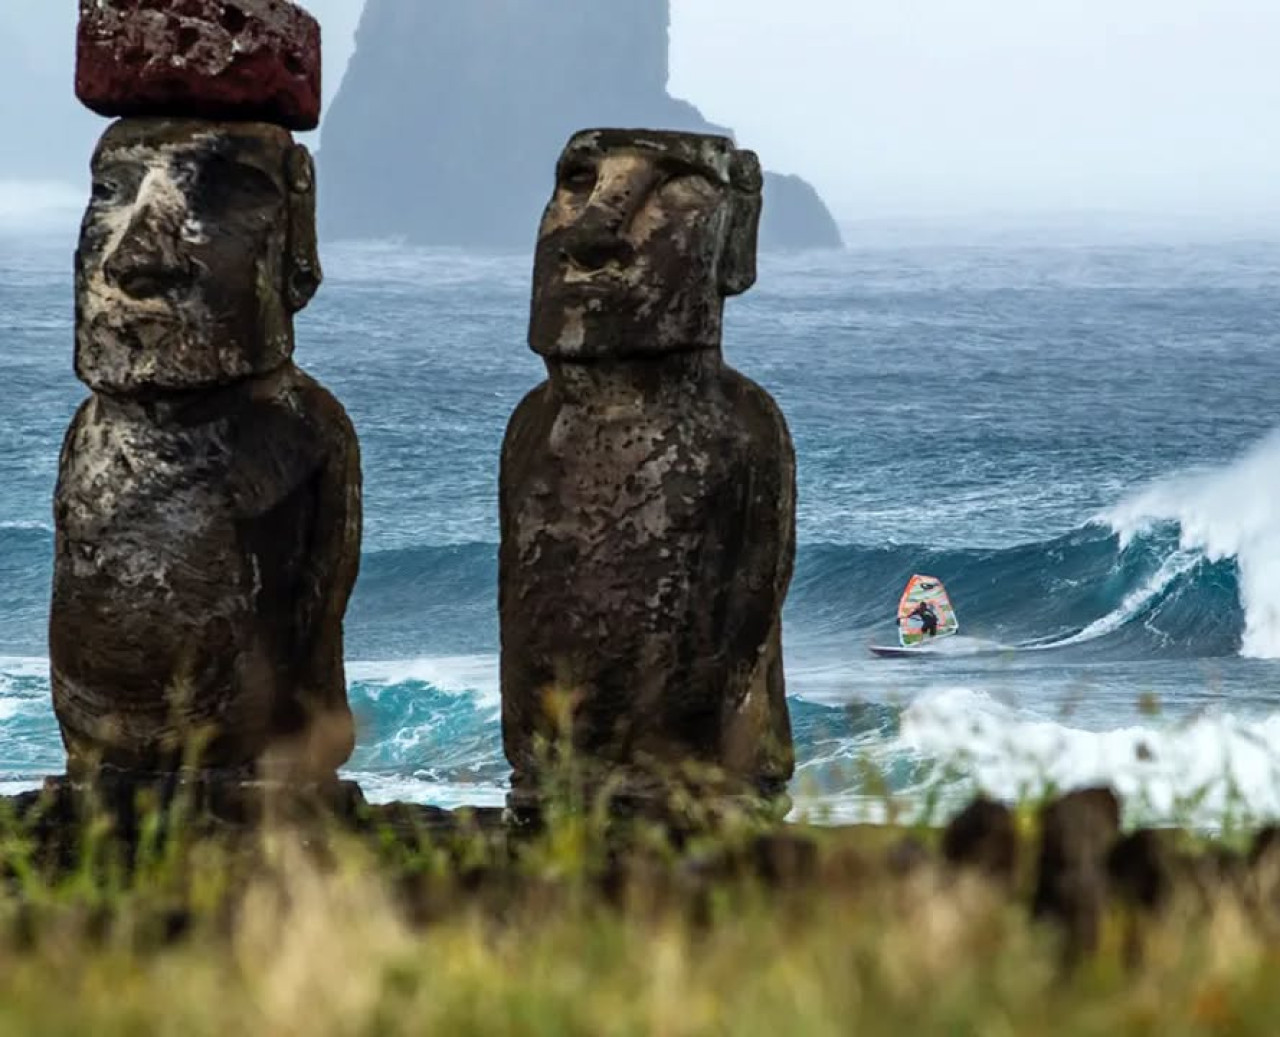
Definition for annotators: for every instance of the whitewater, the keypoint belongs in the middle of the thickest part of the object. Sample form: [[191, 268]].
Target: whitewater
[[1074, 427]]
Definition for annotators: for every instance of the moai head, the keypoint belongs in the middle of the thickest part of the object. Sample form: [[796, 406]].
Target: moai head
[[646, 235], [197, 248]]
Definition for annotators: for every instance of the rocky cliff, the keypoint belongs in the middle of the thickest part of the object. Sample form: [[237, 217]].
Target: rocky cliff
[[448, 122]]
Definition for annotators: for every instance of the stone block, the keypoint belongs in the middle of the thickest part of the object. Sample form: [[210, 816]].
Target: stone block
[[255, 60]]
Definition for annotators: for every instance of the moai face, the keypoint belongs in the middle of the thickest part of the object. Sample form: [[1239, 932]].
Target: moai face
[[196, 249], [645, 236]]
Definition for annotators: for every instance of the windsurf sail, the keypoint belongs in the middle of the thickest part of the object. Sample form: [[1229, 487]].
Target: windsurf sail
[[910, 624]]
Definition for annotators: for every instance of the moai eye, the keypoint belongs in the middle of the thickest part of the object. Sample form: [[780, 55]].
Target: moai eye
[[674, 169], [578, 175], [108, 187], [222, 184]]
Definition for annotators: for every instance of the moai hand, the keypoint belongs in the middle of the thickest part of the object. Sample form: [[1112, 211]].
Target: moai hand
[[208, 507], [647, 492]]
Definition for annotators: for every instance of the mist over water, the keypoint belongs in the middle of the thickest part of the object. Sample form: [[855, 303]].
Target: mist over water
[[1075, 431], [39, 207]]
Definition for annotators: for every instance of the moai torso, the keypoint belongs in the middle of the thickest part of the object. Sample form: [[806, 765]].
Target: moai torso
[[647, 491], [208, 500], [185, 593]]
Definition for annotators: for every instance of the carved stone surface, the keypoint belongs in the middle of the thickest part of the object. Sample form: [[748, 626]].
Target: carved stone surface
[[196, 249], [214, 59], [208, 507], [647, 490]]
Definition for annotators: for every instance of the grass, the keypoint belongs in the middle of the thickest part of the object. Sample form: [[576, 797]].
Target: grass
[[316, 930]]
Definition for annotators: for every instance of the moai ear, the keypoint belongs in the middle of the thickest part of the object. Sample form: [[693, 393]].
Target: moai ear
[[738, 258], [302, 260]]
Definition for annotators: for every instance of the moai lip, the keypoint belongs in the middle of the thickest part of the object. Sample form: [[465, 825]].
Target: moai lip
[[211, 59], [647, 489]]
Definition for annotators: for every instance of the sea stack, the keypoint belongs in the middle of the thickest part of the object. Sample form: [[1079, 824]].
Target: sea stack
[[647, 490], [208, 505], [494, 87]]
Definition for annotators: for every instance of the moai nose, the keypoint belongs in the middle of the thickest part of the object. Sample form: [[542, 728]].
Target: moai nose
[[598, 238], [600, 234], [594, 246], [147, 261]]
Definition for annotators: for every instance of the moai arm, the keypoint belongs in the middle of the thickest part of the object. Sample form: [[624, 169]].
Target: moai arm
[[519, 440], [64, 643], [332, 566], [64, 466], [757, 726], [769, 540]]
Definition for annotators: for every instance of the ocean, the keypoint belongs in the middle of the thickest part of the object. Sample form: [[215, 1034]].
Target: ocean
[[1074, 426]]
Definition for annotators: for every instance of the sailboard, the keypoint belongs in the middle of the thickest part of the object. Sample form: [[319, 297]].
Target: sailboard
[[911, 635]]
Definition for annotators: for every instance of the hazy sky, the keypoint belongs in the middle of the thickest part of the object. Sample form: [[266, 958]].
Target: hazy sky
[[922, 105], [931, 107], [919, 107]]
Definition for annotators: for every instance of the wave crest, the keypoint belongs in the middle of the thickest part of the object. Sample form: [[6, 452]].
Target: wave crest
[[1228, 513]]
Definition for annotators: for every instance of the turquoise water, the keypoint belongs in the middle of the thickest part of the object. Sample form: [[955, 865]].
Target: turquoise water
[[1075, 432]]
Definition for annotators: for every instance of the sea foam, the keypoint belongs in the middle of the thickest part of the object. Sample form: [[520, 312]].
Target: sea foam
[[1197, 769], [1231, 511]]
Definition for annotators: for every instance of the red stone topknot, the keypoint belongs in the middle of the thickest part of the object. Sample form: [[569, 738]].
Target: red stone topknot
[[253, 60]]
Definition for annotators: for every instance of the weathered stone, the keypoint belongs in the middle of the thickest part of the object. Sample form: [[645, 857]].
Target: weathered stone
[[983, 837], [195, 251], [1077, 832], [645, 236], [1141, 869], [647, 490], [256, 60], [208, 504]]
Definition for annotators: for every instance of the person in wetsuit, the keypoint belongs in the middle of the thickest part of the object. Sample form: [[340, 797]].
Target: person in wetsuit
[[928, 619]]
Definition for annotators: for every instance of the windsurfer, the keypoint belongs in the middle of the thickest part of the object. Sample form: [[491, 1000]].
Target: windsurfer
[[928, 619], [924, 615]]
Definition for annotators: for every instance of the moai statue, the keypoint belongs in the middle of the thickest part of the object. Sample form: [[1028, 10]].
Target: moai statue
[[208, 506], [647, 491]]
